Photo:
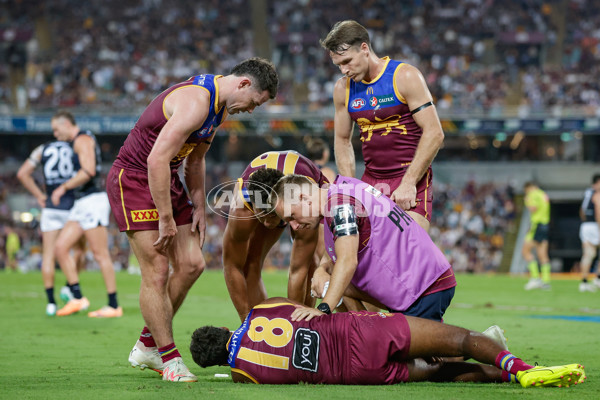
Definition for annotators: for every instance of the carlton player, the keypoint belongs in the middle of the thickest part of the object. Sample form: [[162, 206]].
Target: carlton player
[[399, 126], [149, 202], [278, 344], [252, 229]]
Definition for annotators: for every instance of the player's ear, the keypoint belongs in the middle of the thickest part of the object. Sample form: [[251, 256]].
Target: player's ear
[[244, 83]]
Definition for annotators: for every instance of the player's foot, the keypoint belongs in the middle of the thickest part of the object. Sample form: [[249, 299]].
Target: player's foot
[[587, 287], [106, 312], [546, 286], [560, 376], [51, 309], [146, 357], [496, 333], [596, 282], [73, 306], [176, 371], [65, 294], [534, 283]]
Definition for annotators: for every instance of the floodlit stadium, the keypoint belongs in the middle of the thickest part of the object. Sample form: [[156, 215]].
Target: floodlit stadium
[[514, 90]]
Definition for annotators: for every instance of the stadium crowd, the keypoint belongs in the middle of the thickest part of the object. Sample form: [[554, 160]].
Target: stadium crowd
[[477, 55]]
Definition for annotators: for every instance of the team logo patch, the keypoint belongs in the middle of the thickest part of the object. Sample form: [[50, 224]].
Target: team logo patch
[[373, 101], [357, 104], [306, 350], [144, 215]]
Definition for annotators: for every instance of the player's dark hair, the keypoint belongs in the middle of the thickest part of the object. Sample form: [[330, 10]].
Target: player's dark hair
[[66, 115], [344, 35], [209, 346], [595, 178], [262, 181], [529, 184], [315, 148], [262, 72]]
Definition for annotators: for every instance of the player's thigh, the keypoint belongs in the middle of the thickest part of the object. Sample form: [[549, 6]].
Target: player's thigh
[[69, 235], [262, 241], [185, 254], [528, 245], [97, 239], [431, 338], [419, 219], [151, 261]]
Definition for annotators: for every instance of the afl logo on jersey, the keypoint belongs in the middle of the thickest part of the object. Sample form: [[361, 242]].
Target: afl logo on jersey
[[373, 101], [357, 104]]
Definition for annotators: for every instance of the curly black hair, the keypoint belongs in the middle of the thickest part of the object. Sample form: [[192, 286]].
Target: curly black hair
[[209, 346], [262, 72], [261, 182]]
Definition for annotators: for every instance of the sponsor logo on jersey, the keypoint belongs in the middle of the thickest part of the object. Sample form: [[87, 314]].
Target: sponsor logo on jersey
[[358, 103], [306, 350], [144, 215], [375, 100]]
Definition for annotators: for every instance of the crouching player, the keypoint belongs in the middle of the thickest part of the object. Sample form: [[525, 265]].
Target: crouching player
[[281, 343]]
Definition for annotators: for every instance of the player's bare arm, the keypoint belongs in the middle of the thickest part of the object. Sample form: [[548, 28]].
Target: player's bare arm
[[85, 148], [195, 173], [414, 89], [322, 275], [236, 239], [346, 249], [25, 176], [303, 255], [187, 108], [343, 126]]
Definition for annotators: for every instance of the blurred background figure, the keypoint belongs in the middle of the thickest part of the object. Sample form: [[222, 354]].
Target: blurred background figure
[[318, 152], [589, 233], [538, 204], [13, 245]]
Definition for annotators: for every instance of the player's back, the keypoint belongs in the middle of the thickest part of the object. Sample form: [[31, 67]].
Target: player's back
[[270, 348], [58, 161]]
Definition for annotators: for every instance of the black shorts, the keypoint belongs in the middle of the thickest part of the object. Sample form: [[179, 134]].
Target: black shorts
[[541, 233], [432, 306]]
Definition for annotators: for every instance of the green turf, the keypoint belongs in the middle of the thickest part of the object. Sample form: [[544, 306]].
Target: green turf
[[78, 357]]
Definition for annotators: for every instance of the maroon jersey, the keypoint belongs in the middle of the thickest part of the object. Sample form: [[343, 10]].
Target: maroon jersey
[[388, 132], [136, 149], [343, 348], [288, 162]]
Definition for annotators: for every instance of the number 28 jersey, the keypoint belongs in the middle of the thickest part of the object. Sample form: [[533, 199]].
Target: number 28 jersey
[[269, 348], [56, 158]]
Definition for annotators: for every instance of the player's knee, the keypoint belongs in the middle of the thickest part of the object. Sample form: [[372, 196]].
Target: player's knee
[[193, 267]]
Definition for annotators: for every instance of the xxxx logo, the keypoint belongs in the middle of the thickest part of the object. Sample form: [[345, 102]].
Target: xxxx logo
[[144, 215]]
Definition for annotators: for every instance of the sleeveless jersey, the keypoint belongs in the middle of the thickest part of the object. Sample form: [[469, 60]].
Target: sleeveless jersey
[[588, 206], [388, 132], [93, 185], [270, 348], [56, 159], [136, 149], [288, 162], [400, 261]]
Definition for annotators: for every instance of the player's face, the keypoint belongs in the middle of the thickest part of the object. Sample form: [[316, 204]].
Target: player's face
[[300, 214], [60, 129], [270, 221], [353, 62], [247, 99]]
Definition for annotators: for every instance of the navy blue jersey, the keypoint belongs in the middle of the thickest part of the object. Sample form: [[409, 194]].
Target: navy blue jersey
[[588, 206], [93, 185], [56, 159]]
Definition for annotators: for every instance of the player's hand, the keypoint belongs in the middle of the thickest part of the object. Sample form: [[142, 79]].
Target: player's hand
[[405, 196], [320, 277], [199, 220], [305, 313], [42, 200], [57, 194], [167, 229]]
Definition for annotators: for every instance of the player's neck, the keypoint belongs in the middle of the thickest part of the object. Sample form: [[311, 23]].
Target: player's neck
[[376, 65]]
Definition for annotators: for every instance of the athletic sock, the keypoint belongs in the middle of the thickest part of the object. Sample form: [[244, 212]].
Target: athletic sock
[[76, 290], [146, 338], [508, 377], [546, 272], [50, 295], [168, 352], [533, 269], [584, 280], [112, 300], [511, 364]]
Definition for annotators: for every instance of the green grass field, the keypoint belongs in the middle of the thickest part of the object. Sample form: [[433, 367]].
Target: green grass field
[[77, 357]]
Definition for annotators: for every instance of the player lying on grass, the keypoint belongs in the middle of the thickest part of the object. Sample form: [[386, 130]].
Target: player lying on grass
[[280, 342]]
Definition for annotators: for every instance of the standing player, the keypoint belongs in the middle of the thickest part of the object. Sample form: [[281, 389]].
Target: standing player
[[252, 229], [280, 343], [89, 217], [56, 159], [149, 202], [371, 243], [538, 204], [589, 233], [399, 126]]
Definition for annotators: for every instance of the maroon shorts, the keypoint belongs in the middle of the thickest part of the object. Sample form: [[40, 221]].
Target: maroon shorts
[[424, 190], [132, 204], [376, 341]]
